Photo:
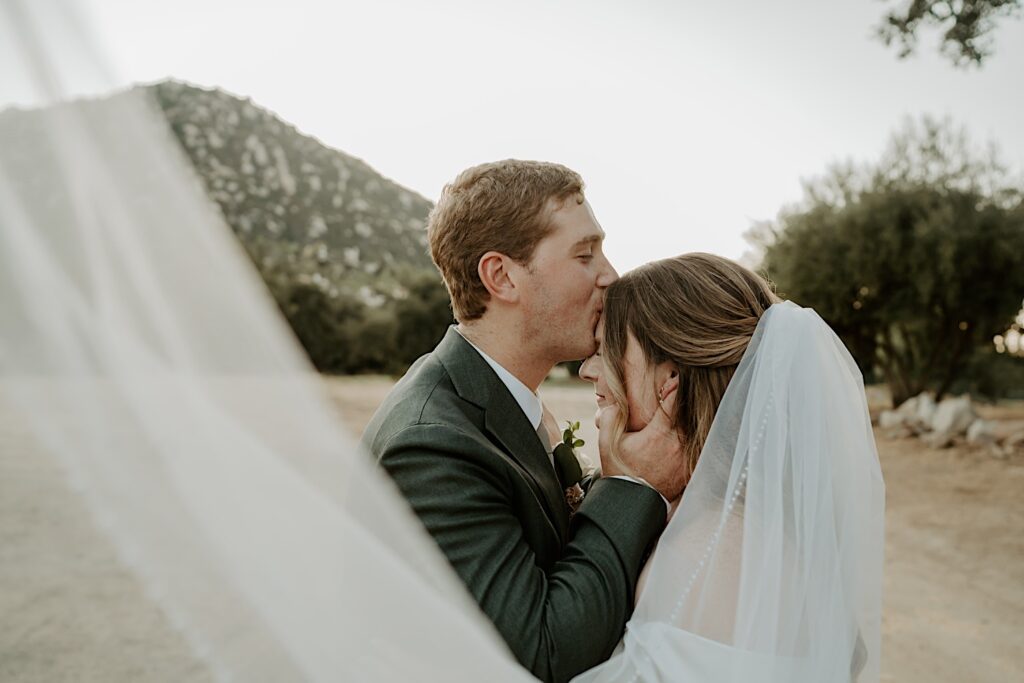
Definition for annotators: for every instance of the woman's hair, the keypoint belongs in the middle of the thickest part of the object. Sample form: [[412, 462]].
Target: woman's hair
[[696, 311]]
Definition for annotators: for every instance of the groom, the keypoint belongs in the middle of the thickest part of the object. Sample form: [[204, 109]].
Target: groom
[[463, 433]]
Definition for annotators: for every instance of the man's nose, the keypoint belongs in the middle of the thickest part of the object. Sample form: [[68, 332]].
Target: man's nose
[[607, 274]]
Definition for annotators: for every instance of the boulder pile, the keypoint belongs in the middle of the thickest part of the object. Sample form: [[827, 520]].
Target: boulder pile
[[951, 421]]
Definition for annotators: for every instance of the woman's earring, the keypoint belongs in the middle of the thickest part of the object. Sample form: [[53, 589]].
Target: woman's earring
[[661, 392]]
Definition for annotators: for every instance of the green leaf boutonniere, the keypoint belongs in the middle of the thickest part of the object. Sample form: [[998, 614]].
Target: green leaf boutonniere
[[571, 466]]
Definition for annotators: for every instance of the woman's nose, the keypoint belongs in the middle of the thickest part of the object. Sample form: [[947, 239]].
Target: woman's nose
[[587, 371]]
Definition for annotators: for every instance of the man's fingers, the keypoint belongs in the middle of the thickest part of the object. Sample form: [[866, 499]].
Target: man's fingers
[[664, 416], [606, 417]]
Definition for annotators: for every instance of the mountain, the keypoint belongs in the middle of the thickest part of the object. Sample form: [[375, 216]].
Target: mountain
[[342, 249], [289, 197]]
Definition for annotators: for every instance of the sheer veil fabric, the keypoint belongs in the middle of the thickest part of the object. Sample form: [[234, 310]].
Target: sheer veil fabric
[[771, 568], [140, 345]]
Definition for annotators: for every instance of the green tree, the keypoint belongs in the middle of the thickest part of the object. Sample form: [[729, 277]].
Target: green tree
[[372, 344], [325, 327], [915, 261], [422, 316], [966, 26]]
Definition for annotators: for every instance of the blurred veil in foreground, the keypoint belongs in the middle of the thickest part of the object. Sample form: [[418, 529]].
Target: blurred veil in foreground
[[141, 346]]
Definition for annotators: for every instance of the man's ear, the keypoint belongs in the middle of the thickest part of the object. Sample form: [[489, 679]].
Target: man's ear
[[495, 271]]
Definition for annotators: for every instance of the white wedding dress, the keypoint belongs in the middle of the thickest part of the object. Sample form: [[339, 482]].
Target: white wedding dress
[[140, 345]]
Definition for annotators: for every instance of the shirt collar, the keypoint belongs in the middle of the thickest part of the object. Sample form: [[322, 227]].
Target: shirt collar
[[528, 401]]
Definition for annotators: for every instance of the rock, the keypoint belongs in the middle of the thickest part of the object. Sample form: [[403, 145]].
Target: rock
[[1006, 443], [1008, 430], [874, 412], [909, 407], [952, 417], [900, 432], [999, 452], [1014, 441], [917, 412], [981, 433], [938, 439], [890, 419], [925, 411]]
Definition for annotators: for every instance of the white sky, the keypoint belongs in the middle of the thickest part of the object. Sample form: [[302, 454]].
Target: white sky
[[688, 120]]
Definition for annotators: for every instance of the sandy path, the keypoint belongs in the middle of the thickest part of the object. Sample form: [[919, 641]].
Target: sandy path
[[70, 611], [954, 603], [954, 582]]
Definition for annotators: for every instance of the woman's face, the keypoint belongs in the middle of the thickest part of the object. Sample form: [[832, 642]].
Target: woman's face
[[639, 378], [593, 369]]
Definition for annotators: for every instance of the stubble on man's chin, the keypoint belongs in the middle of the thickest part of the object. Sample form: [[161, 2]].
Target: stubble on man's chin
[[581, 351], [560, 342], [566, 348], [587, 342]]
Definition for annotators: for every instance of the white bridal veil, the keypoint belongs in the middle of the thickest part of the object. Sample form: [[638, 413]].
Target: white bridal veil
[[771, 567], [138, 341], [142, 348]]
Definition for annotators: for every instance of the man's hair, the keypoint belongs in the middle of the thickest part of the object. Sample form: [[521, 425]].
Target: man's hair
[[502, 206]]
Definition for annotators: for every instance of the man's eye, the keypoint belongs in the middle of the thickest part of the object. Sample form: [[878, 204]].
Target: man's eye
[[586, 257]]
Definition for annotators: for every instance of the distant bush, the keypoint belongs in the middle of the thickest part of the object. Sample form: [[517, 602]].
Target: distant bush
[[343, 334], [992, 375], [917, 261]]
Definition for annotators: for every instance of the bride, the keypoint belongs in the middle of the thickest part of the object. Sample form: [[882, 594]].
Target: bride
[[140, 348], [770, 569]]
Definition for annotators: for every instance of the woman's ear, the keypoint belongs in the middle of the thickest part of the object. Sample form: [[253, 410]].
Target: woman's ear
[[494, 272], [669, 381]]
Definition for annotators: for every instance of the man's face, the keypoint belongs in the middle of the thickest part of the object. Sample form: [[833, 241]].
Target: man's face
[[563, 291]]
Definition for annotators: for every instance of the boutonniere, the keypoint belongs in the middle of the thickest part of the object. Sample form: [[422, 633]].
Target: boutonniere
[[572, 466]]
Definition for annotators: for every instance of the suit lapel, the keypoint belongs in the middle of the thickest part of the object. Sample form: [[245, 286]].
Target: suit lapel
[[506, 421], [476, 382]]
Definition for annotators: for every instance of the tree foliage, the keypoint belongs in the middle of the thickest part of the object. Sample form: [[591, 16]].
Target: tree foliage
[[421, 317], [343, 334], [350, 321], [966, 26], [916, 261]]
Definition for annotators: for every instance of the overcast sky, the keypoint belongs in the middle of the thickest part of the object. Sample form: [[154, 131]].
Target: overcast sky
[[688, 120]]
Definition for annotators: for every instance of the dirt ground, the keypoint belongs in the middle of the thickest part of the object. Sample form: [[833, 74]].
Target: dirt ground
[[954, 576]]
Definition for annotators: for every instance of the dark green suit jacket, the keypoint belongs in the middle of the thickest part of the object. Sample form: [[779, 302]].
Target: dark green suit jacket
[[472, 466]]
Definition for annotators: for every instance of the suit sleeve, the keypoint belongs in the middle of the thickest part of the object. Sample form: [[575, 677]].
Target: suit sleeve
[[557, 624]]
